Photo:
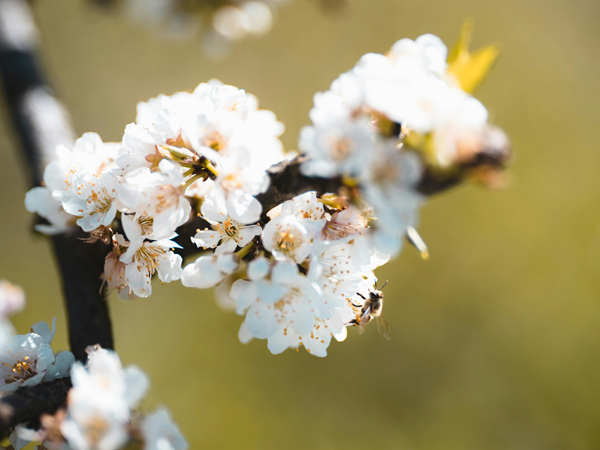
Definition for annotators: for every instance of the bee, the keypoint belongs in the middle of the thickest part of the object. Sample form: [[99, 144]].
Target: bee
[[371, 309]]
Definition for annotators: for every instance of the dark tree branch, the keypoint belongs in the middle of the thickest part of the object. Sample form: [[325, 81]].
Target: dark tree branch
[[33, 112], [25, 406], [40, 124], [286, 182]]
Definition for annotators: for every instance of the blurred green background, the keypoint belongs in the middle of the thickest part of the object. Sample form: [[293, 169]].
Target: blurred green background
[[496, 339]]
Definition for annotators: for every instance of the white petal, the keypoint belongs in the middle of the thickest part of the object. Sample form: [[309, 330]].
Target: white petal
[[207, 238], [214, 207], [43, 330], [228, 246], [61, 367], [244, 293], [228, 263], [246, 234], [136, 385], [260, 321], [243, 207], [202, 274], [279, 342], [138, 279], [258, 268], [169, 267], [285, 273], [244, 335]]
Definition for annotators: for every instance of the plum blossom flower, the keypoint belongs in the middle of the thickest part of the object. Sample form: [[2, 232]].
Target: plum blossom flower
[[289, 234], [209, 271], [239, 184], [144, 258], [99, 405], [338, 148], [87, 160], [94, 199], [161, 433], [389, 186], [229, 232], [27, 360], [343, 223], [157, 200], [285, 300]]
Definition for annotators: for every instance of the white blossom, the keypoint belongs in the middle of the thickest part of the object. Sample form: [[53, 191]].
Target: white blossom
[[99, 405], [277, 305], [161, 433], [208, 271], [389, 186], [289, 234], [27, 360], [227, 233], [67, 181], [337, 149], [144, 258], [344, 223]]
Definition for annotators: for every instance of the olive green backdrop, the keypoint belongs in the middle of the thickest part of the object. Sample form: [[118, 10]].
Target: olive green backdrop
[[496, 339]]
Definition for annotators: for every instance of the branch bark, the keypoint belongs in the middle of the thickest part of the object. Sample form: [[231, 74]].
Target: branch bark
[[26, 406], [40, 124]]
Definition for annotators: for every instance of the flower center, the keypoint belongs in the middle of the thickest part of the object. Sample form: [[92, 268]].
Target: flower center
[[386, 173], [102, 201], [146, 224], [230, 228], [341, 149], [215, 140], [231, 182], [21, 370], [287, 241], [166, 197], [149, 257]]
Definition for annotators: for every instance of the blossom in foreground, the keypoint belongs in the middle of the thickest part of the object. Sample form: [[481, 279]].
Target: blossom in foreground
[[161, 433], [101, 412], [100, 403]]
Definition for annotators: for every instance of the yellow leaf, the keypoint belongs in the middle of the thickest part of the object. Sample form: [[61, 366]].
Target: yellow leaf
[[470, 69]]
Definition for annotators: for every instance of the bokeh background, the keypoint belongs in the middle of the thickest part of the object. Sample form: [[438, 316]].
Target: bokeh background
[[496, 339]]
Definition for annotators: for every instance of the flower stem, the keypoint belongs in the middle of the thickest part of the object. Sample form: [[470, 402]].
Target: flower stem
[[191, 180], [245, 250]]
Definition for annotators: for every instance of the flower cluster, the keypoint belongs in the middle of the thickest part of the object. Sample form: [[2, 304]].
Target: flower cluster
[[299, 253], [26, 359], [100, 412]]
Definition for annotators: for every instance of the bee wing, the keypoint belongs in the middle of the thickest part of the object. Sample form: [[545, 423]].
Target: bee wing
[[361, 328], [362, 322], [383, 328]]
